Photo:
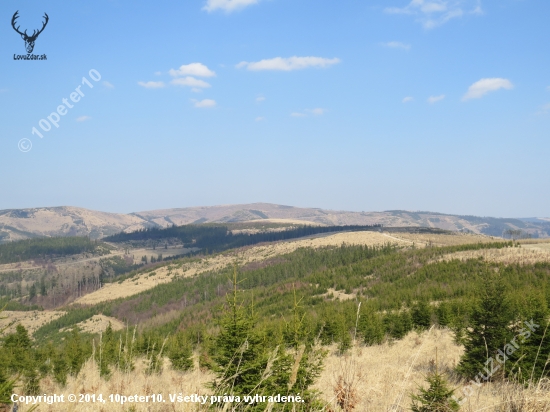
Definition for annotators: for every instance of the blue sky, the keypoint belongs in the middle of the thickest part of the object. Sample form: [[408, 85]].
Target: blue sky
[[440, 105]]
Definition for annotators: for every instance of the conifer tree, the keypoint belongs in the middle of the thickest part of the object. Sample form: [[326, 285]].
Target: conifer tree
[[531, 361], [239, 356], [60, 368], [489, 323], [6, 387], [421, 315], [106, 352], [74, 352], [438, 397], [371, 328], [180, 353], [443, 314]]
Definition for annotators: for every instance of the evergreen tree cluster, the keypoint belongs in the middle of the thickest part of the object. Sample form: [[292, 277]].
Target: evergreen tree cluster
[[47, 248], [216, 238]]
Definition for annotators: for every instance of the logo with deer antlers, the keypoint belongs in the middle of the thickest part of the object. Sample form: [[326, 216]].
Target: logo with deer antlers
[[29, 40]]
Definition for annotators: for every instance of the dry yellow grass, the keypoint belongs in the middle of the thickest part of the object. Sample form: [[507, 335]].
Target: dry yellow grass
[[339, 295], [383, 376], [534, 241], [423, 239], [98, 323], [521, 255], [287, 221], [127, 384], [165, 274], [386, 374], [537, 245], [31, 320]]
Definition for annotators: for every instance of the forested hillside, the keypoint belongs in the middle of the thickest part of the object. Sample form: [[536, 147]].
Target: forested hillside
[[292, 308], [215, 238], [48, 248]]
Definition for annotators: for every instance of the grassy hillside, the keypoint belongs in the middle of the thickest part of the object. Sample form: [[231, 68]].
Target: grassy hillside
[[297, 305]]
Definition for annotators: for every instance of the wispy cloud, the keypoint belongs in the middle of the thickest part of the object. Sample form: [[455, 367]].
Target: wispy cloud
[[484, 86], [407, 99], [190, 81], [289, 63], [260, 99], [192, 69], [152, 85], [317, 112], [435, 99], [433, 13], [83, 118], [396, 45], [108, 85], [544, 109], [204, 103], [227, 5], [260, 119]]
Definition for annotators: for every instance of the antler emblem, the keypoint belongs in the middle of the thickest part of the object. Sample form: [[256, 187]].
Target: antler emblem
[[29, 40]]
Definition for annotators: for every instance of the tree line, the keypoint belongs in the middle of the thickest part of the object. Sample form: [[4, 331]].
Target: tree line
[[216, 238], [47, 248]]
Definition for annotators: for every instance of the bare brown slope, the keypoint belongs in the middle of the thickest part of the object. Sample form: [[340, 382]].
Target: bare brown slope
[[70, 221]]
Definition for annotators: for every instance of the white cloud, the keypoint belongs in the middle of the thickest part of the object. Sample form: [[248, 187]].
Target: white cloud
[[288, 64], [316, 112], [108, 85], [544, 109], [260, 99], [204, 103], [190, 82], [484, 86], [433, 13], [260, 119], [83, 118], [434, 99], [158, 73], [193, 69], [227, 5], [151, 85], [397, 45], [407, 99]]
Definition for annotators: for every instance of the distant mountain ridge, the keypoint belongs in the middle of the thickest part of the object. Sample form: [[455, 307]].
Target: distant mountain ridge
[[16, 224]]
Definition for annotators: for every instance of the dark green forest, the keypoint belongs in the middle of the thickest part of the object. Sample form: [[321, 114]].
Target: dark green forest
[[48, 248], [215, 237]]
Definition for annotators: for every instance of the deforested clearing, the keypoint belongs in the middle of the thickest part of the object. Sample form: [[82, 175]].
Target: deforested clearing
[[423, 239], [524, 255], [98, 323], [31, 320]]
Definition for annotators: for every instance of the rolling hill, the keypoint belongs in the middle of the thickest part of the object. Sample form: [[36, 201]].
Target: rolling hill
[[16, 224]]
